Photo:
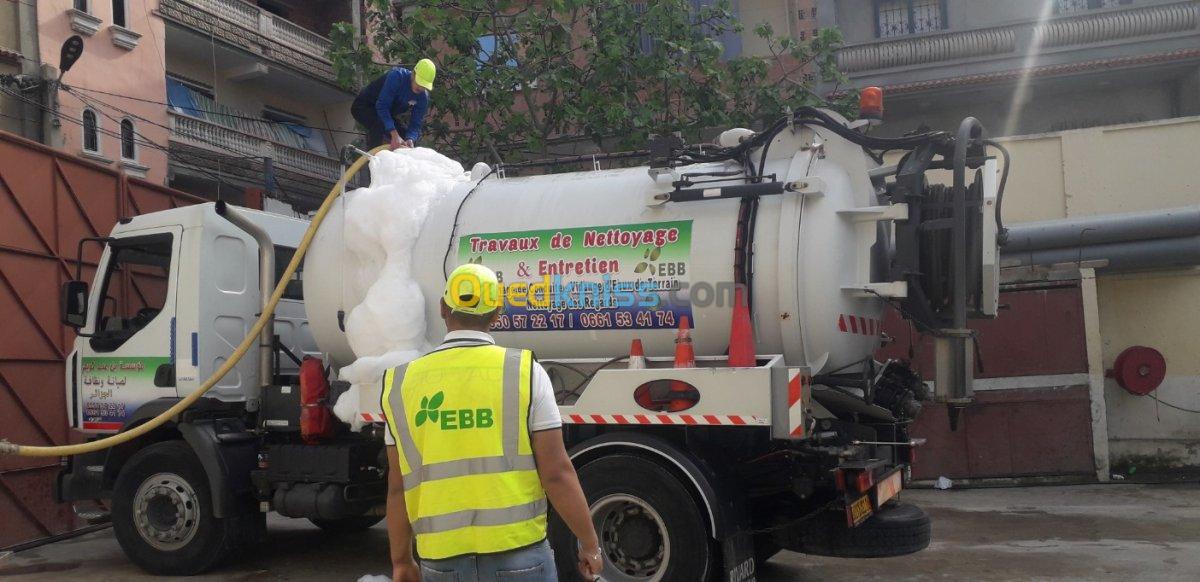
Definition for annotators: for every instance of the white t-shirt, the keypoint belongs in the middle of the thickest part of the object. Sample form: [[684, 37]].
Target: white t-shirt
[[543, 409]]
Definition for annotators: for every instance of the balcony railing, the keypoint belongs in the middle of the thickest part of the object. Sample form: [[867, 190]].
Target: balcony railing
[[1065, 31], [927, 49], [226, 141], [255, 30], [1121, 24]]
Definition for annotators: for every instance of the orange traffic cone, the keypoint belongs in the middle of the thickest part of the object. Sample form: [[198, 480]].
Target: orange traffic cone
[[637, 357], [685, 354], [741, 333], [685, 357]]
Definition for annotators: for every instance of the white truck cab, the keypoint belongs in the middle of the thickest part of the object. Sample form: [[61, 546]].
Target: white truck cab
[[174, 292]]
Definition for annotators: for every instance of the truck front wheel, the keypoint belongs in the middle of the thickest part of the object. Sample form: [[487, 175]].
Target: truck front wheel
[[163, 514], [649, 526]]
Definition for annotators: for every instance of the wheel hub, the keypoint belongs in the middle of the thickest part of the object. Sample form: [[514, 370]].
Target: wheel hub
[[633, 539], [166, 511]]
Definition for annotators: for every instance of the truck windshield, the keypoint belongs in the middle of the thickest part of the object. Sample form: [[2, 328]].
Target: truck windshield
[[134, 289]]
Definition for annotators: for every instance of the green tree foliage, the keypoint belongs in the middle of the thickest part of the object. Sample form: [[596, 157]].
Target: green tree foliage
[[516, 77]]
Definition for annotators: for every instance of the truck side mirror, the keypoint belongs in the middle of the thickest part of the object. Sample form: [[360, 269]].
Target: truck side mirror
[[74, 303]]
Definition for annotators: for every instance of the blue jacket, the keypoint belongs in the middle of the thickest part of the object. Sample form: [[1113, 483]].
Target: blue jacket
[[392, 94]]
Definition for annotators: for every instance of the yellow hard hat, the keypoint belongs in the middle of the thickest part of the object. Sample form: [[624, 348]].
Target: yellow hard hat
[[424, 73], [473, 289]]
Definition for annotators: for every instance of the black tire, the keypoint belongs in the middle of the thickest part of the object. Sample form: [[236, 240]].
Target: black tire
[[691, 557], [211, 540], [897, 529], [347, 524]]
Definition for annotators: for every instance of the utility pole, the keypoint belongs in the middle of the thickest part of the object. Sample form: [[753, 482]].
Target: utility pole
[[51, 125]]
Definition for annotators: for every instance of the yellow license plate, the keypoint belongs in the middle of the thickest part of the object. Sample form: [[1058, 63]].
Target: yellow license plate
[[888, 488], [859, 510]]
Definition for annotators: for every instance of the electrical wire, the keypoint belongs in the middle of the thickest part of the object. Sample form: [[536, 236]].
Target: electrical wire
[[454, 228], [178, 156], [137, 139], [221, 113], [92, 101], [587, 378], [174, 154], [1176, 407]]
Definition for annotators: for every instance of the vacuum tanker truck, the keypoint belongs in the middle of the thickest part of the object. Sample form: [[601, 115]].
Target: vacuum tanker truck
[[695, 473]]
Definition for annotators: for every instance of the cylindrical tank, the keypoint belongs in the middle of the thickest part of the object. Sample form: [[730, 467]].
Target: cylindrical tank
[[806, 250]]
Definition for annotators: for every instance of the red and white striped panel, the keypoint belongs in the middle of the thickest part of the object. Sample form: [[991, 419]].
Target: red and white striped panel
[[798, 383], [369, 417], [679, 419], [858, 324]]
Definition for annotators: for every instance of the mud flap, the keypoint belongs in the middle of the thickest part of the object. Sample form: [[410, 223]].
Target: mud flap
[[738, 553]]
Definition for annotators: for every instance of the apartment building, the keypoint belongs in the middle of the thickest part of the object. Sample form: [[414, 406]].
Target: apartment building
[[1021, 66], [218, 98]]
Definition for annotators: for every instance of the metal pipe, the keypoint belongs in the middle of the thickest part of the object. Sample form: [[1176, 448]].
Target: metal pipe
[[969, 130], [1163, 253], [1111, 228], [266, 282], [731, 191]]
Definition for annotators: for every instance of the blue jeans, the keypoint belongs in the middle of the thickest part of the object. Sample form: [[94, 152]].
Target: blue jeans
[[532, 564]]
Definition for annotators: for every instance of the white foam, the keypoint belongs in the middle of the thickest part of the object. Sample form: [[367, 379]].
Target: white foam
[[382, 223]]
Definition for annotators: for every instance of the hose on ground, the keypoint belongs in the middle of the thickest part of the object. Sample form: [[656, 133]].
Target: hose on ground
[[7, 448]]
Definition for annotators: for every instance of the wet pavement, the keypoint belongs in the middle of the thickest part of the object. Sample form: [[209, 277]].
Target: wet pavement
[[1090, 532]]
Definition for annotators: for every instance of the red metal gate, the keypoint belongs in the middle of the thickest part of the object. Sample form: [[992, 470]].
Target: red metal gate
[[1042, 426], [48, 201]]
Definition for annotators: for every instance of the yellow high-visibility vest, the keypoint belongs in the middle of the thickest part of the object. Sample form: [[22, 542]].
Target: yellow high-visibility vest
[[460, 420]]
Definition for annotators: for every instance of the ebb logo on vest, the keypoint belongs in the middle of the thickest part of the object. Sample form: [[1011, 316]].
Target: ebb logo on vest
[[452, 419]]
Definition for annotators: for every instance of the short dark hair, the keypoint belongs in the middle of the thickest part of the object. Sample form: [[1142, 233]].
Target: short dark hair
[[471, 320]]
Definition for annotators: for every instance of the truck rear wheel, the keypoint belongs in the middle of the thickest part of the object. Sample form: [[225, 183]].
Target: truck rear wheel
[[649, 526], [162, 512]]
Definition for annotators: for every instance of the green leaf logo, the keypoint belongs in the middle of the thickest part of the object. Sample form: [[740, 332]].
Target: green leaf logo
[[651, 255], [429, 408]]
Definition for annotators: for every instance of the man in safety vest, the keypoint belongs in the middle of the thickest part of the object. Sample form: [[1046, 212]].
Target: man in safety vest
[[475, 448]]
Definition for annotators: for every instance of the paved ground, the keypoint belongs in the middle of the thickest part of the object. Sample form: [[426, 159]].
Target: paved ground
[[1097, 532]]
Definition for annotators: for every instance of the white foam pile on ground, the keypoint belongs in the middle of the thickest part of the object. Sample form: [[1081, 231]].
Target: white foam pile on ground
[[382, 223]]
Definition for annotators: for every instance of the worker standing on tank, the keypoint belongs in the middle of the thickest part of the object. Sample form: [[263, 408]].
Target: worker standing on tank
[[380, 104], [475, 448]]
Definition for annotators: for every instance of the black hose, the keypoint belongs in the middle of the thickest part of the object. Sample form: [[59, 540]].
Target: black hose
[[454, 228]]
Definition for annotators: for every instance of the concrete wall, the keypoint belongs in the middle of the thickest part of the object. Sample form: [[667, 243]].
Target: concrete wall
[[1045, 107], [107, 67], [1128, 168]]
